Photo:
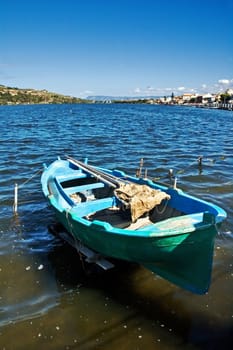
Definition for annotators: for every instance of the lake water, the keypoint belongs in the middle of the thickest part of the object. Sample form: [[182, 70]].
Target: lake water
[[48, 299]]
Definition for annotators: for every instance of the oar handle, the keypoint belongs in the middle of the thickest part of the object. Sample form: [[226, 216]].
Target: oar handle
[[98, 174]]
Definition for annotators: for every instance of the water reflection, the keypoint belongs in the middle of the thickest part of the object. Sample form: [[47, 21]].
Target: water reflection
[[138, 296], [47, 300], [27, 289]]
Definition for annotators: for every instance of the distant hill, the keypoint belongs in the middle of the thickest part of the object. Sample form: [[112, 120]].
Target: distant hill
[[13, 95], [102, 98]]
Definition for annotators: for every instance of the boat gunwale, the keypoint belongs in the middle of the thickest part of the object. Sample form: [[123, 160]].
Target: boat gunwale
[[171, 255], [152, 230]]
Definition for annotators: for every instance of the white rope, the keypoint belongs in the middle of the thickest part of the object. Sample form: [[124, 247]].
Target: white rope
[[28, 180], [16, 202]]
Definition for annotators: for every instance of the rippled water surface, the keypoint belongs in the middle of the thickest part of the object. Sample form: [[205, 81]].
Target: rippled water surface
[[48, 298]]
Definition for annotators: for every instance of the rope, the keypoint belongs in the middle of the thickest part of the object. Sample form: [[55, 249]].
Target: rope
[[16, 202], [198, 163], [77, 242], [162, 211], [28, 180]]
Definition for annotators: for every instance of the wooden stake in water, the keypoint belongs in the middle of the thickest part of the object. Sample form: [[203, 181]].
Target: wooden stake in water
[[15, 207]]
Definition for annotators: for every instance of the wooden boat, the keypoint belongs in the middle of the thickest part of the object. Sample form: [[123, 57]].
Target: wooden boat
[[135, 219]]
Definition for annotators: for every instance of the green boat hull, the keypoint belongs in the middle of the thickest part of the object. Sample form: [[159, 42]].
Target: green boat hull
[[183, 259], [179, 247]]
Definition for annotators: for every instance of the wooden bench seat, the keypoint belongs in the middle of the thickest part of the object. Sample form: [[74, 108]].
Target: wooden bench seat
[[81, 188], [87, 208]]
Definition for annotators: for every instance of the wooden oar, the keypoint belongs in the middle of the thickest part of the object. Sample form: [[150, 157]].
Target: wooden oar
[[106, 178]]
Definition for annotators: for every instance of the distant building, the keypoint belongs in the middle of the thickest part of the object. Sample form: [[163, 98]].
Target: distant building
[[208, 98], [186, 97]]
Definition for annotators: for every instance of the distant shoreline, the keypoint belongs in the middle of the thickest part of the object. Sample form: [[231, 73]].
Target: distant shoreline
[[227, 107], [16, 96]]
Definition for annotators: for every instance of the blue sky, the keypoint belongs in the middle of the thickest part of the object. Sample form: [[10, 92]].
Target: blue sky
[[117, 47]]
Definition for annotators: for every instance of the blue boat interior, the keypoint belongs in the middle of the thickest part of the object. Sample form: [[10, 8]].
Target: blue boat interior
[[92, 199], [95, 200]]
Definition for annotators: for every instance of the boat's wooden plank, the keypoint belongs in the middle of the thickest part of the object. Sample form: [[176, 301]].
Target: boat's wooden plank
[[89, 207], [89, 254], [184, 223], [69, 176], [140, 223], [75, 189], [93, 257]]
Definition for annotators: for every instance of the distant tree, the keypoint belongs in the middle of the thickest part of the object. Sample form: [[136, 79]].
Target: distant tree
[[225, 97]]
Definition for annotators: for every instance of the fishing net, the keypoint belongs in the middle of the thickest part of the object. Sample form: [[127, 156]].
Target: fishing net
[[139, 198]]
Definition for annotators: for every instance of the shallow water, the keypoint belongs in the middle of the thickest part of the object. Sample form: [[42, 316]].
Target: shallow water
[[48, 298]]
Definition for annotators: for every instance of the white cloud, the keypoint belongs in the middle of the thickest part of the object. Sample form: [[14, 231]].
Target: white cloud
[[150, 88], [218, 86], [86, 93], [221, 85], [137, 91], [160, 91], [224, 81]]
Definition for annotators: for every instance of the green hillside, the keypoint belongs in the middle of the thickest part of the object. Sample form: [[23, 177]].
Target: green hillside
[[12, 95]]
